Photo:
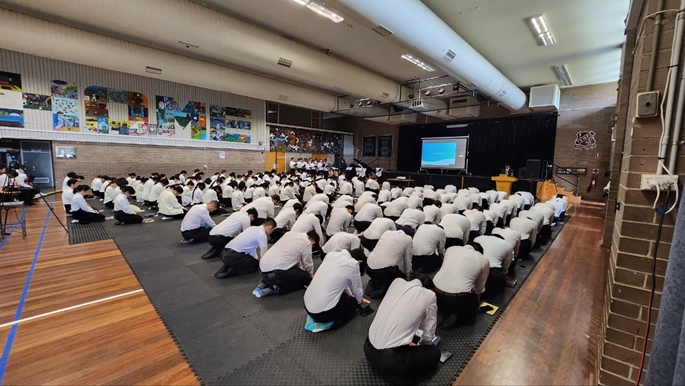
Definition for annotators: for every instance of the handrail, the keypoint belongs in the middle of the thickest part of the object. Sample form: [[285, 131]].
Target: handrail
[[575, 185]]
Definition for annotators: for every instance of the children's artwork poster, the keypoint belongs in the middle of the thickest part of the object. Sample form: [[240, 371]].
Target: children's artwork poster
[[238, 138], [96, 102], [240, 113], [37, 102], [217, 129], [152, 128], [118, 127], [11, 100], [285, 139], [97, 125], [223, 119], [198, 122], [170, 117], [138, 128], [117, 96], [235, 124], [65, 108]]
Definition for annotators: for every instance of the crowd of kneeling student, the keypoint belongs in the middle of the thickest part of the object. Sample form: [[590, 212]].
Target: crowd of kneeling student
[[468, 239]]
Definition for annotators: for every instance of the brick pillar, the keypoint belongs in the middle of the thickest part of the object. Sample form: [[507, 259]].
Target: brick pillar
[[631, 230]]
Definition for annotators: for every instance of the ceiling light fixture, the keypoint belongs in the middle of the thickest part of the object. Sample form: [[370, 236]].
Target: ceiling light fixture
[[441, 90], [418, 62], [427, 92], [321, 10], [562, 73], [539, 27]]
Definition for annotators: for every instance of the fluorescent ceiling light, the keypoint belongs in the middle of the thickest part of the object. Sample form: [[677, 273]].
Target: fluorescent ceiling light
[[541, 31], [418, 62], [562, 73], [321, 10]]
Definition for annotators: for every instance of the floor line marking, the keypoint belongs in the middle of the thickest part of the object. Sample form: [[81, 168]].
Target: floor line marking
[[70, 308]]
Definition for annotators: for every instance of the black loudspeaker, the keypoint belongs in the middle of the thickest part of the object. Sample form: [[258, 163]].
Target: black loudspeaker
[[533, 168], [522, 173]]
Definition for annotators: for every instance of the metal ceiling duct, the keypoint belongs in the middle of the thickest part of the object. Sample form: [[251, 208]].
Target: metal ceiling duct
[[423, 33], [191, 29], [22, 33]]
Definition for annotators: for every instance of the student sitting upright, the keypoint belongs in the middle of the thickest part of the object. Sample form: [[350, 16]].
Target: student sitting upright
[[81, 211], [67, 195], [196, 223], [168, 204], [287, 266], [122, 211]]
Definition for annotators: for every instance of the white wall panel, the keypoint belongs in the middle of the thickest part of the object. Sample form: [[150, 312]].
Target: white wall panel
[[37, 72]]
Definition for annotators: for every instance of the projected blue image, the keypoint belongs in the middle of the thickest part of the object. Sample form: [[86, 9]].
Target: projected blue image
[[438, 153]]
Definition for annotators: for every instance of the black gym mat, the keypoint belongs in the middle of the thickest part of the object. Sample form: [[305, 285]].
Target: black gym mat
[[79, 233], [230, 337]]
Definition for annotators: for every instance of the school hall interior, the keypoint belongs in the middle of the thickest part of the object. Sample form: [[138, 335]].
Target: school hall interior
[[268, 192]]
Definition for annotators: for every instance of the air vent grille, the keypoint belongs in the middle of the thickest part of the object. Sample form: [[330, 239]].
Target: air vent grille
[[449, 56], [283, 98], [152, 70], [382, 30], [285, 62], [384, 95]]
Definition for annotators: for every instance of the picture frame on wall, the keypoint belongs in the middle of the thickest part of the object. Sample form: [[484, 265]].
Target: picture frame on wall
[[369, 146], [385, 145], [66, 152]]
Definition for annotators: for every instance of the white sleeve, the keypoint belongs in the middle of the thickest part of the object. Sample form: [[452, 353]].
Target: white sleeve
[[207, 219], [506, 262], [317, 229], [408, 256], [307, 261], [127, 209], [263, 246], [441, 244], [483, 226], [245, 224], [479, 284], [430, 321], [355, 285]]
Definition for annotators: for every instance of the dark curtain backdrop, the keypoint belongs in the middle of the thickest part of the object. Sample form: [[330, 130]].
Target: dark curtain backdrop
[[492, 142]]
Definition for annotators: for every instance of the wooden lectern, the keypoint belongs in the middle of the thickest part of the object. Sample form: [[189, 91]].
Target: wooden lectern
[[503, 183]]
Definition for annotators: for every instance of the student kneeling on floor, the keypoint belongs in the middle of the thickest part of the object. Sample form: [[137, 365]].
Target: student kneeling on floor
[[287, 266], [391, 348], [122, 210], [197, 223], [241, 255], [228, 229]]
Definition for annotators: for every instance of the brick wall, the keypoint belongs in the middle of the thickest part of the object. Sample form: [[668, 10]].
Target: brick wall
[[119, 160], [632, 230], [586, 108]]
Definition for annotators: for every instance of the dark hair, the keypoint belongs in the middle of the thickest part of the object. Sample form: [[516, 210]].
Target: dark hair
[[426, 281], [477, 247], [208, 181], [128, 189], [297, 207], [164, 181], [81, 177], [241, 185], [253, 212], [269, 222], [72, 175], [183, 172], [201, 186], [275, 198], [177, 188], [498, 236], [121, 182], [71, 182], [350, 207], [132, 174], [81, 188], [437, 203], [313, 236]]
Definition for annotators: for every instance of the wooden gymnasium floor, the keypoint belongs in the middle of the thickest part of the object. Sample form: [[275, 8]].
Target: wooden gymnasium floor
[[75, 314]]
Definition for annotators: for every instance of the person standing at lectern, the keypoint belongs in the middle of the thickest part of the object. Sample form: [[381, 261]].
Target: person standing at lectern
[[508, 171]]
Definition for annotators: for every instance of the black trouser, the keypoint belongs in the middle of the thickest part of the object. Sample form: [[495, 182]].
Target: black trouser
[[277, 233], [545, 234], [524, 249], [393, 218], [126, 218], [199, 235], [465, 307], [27, 195], [489, 226], [342, 313], [409, 231], [383, 277], [426, 263], [453, 242], [149, 203], [501, 221], [218, 242], [175, 216], [473, 235], [361, 226], [291, 280], [369, 244], [84, 217], [526, 207], [226, 202], [404, 361], [67, 208], [109, 205], [257, 221], [241, 263], [495, 283]]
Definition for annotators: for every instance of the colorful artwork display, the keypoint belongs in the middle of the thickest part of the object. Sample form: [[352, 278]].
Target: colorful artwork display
[[118, 127], [238, 138], [37, 102], [96, 102], [117, 96], [221, 121], [65, 109], [11, 100], [285, 139]]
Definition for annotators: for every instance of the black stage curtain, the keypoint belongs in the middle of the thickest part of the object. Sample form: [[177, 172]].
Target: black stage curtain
[[492, 142]]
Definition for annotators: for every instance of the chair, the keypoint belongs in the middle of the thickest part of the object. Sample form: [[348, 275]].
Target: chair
[[18, 208]]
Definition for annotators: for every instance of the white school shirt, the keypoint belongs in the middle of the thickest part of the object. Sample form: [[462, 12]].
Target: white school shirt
[[319, 197], [369, 212], [232, 225], [340, 221], [237, 200], [317, 207], [407, 192], [492, 196], [358, 188], [168, 204], [226, 191], [121, 204], [396, 207], [78, 202], [273, 190], [182, 178], [406, 307], [186, 196], [147, 188], [433, 214], [501, 196], [499, 252], [67, 195], [309, 192], [450, 189], [394, 248], [338, 273], [287, 193], [249, 192], [292, 249], [462, 203], [559, 206], [286, 218], [429, 193], [346, 188], [378, 227], [65, 186], [429, 239], [395, 192], [196, 217], [537, 217], [415, 201], [308, 222], [546, 211], [511, 236], [259, 192], [198, 196], [447, 198], [412, 218], [384, 196], [96, 184], [446, 209], [263, 205], [365, 198], [293, 164], [500, 209], [478, 221], [252, 241], [491, 216], [329, 189], [456, 226], [342, 241], [343, 201], [103, 187], [156, 190], [372, 184], [527, 227], [320, 183], [290, 203], [138, 186], [463, 270], [518, 200], [131, 180], [111, 193]]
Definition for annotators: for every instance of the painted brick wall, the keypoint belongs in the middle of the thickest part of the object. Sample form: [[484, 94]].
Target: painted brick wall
[[119, 160], [632, 230]]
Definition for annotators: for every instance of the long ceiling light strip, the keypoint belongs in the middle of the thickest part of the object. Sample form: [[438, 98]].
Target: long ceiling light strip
[[321, 10], [418, 62], [541, 30]]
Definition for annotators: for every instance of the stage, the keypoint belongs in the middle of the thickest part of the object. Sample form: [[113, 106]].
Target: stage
[[482, 183]]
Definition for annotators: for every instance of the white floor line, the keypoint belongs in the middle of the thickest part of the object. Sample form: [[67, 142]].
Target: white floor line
[[69, 308]]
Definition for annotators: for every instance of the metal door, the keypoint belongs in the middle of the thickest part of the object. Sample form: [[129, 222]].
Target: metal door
[[37, 159]]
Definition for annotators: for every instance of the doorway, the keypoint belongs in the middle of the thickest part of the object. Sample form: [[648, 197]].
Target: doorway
[[36, 156]]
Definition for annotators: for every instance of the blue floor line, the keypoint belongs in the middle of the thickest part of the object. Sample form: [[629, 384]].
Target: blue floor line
[[20, 307], [4, 240]]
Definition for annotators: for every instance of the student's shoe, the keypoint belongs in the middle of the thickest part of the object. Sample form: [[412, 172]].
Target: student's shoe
[[260, 293], [74, 221], [209, 254], [379, 293], [167, 218], [223, 272], [109, 218], [118, 223], [186, 241]]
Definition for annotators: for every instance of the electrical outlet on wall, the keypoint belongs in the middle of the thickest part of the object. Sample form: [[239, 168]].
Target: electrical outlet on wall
[[658, 181]]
